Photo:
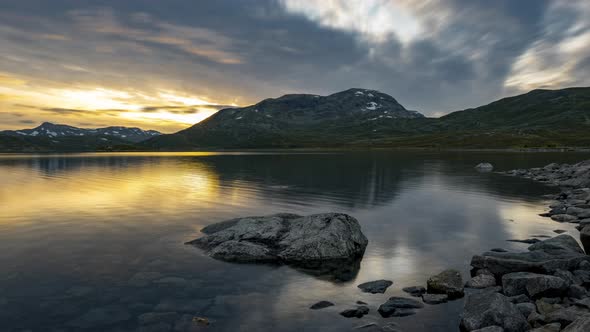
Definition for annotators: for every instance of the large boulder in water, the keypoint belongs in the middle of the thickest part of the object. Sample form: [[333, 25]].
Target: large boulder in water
[[485, 309], [285, 238], [447, 282]]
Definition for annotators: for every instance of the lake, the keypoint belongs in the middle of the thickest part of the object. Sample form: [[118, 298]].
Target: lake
[[95, 242]]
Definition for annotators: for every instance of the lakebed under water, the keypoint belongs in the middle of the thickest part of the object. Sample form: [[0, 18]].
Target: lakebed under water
[[93, 242]]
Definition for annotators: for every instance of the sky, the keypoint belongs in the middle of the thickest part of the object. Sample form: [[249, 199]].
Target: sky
[[166, 65]]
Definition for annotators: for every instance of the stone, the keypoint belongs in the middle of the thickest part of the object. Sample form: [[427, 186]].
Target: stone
[[484, 167], [519, 299], [285, 238], [585, 238], [553, 327], [557, 245], [498, 250], [529, 241], [526, 308], [559, 231], [564, 218], [375, 287], [584, 265], [577, 292], [415, 291], [447, 282], [361, 302], [532, 284], [484, 309], [581, 324], [481, 281], [582, 277], [356, 312], [394, 304], [490, 329], [585, 302], [566, 316], [321, 305], [435, 298]]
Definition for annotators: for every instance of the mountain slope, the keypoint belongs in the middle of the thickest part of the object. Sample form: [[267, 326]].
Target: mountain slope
[[291, 121], [50, 130]]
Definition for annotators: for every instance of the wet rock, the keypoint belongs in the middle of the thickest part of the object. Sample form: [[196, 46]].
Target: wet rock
[[577, 292], [498, 250], [356, 312], [490, 329], [375, 287], [101, 317], [484, 309], [585, 303], [553, 327], [558, 245], [584, 265], [564, 218], [526, 308], [447, 282], [484, 167], [415, 291], [529, 241], [285, 238], [321, 305], [532, 284], [435, 298], [581, 324], [481, 281], [566, 316], [585, 238], [394, 305], [559, 231], [361, 302], [519, 299]]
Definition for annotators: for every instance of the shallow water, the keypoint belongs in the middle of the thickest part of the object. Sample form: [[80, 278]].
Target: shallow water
[[91, 241]]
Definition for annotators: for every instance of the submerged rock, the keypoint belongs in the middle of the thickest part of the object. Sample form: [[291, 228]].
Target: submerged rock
[[285, 238], [484, 167], [374, 287], [415, 291], [399, 306], [447, 282], [321, 305], [356, 312], [435, 298]]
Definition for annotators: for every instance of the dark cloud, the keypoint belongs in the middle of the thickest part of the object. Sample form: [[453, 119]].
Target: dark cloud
[[27, 121], [194, 109], [463, 55]]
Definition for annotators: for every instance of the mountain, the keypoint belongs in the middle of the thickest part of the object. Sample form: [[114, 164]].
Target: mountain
[[57, 137], [291, 121], [48, 129]]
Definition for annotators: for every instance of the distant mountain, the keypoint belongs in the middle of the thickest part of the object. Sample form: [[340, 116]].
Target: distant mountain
[[48, 129], [290, 121], [57, 137]]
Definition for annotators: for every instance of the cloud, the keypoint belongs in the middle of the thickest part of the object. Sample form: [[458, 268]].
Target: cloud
[[27, 121]]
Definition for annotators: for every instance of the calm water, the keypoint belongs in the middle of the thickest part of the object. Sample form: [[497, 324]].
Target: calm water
[[90, 242]]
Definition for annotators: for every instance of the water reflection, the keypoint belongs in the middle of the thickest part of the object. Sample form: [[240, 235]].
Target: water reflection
[[84, 232]]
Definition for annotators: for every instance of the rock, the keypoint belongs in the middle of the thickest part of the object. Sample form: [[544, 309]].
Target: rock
[[526, 308], [563, 218], [584, 265], [581, 324], [481, 281], [361, 302], [389, 308], [529, 241], [498, 250], [435, 298], [585, 238], [585, 303], [484, 309], [582, 277], [415, 291], [577, 292], [321, 305], [356, 312], [519, 299], [535, 319], [546, 306], [553, 327], [532, 284], [374, 287], [285, 238], [559, 231], [101, 317], [447, 282], [565, 275], [557, 245], [484, 167], [490, 329], [566, 316]]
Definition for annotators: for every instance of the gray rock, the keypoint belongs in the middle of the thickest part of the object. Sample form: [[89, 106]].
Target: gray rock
[[559, 231], [519, 299], [564, 218], [484, 309], [374, 287], [532, 284], [577, 292], [565, 275], [447, 282], [581, 324], [585, 303], [490, 329], [484, 167], [435, 298], [415, 291], [584, 265], [285, 238], [498, 250], [389, 308], [356, 312], [481, 281], [321, 305], [566, 316], [553, 327], [529, 241], [557, 245], [526, 308]]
